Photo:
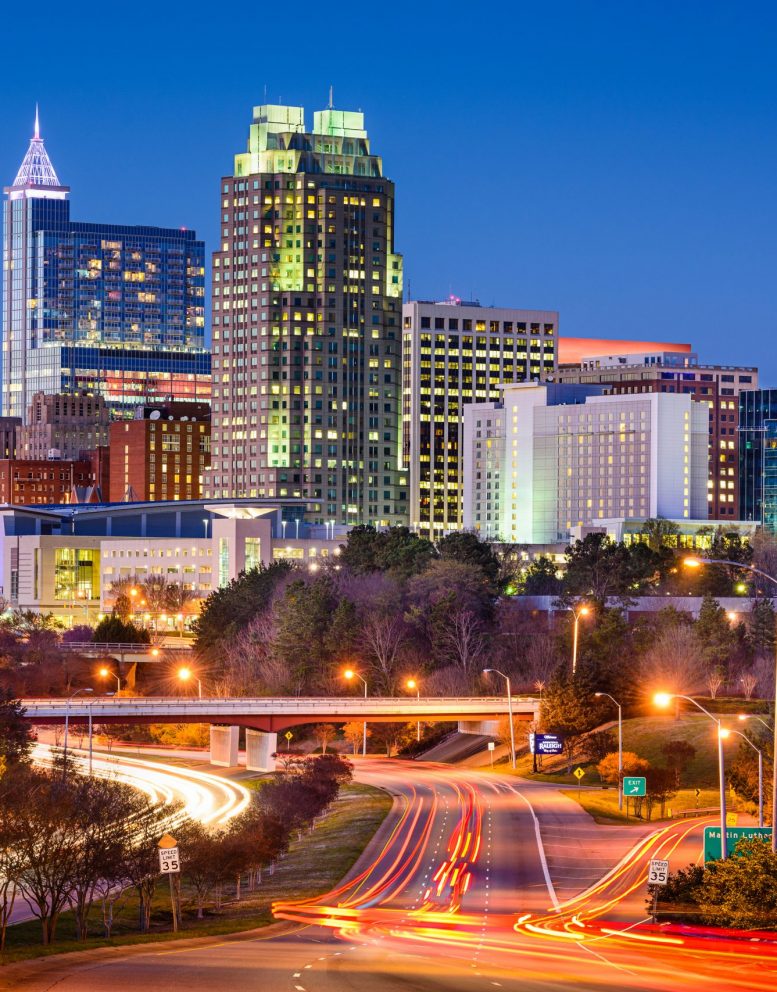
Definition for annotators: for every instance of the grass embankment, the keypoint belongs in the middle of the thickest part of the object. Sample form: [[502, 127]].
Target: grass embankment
[[645, 736], [603, 804], [313, 866]]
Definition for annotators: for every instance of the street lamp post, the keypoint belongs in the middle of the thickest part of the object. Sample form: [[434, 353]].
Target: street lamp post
[[698, 563], [105, 672], [349, 674], [67, 723], [184, 674], [663, 699], [759, 752], [496, 671], [413, 684], [582, 612], [620, 746]]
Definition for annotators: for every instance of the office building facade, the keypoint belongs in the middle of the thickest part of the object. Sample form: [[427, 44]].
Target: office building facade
[[62, 426], [715, 386], [552, 458], [307, 299], [161, 454], [110, 309], [454, 354], [758, 457]]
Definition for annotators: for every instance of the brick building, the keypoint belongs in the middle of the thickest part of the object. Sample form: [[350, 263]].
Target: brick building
[[161, 454], [37, 482]]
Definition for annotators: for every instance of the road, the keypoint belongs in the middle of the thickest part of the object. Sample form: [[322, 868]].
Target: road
[[211, 799], [455, 893]]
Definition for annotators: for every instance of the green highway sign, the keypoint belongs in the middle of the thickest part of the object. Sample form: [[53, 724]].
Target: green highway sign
[[733, 836], [634, 785]]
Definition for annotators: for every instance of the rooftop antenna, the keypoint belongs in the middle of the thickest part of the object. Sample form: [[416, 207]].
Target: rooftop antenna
[[331, 97], [37, 124]]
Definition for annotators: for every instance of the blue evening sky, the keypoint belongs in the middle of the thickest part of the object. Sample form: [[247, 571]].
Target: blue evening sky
[[614, 160]]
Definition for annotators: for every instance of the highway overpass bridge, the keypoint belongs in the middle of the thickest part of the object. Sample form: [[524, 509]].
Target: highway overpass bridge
[[264, 717]]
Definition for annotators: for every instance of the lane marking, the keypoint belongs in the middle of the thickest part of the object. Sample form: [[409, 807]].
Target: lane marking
[[541, 851]]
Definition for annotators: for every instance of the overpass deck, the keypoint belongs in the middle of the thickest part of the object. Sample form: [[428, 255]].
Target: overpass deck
[[273, 714]]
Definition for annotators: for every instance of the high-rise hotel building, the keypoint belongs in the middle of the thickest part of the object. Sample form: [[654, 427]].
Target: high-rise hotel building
[[101, 309], [307, 337], [457, 353]]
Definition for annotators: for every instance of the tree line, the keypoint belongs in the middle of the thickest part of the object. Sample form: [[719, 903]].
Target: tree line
[[69, 841]]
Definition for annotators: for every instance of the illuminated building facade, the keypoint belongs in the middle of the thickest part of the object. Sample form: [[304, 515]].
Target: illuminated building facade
[[454, 354], [62, 426], [307, 297], [110, 309], [715, 386], [549, 459], [758, 457]]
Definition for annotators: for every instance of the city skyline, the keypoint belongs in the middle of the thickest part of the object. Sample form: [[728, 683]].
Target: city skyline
[[639, 193]]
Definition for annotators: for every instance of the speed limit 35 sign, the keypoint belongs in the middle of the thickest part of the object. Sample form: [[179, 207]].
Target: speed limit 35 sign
[[658, 873], [169, 861]]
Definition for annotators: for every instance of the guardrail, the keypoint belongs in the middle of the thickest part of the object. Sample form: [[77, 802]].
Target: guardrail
[[683, 814]]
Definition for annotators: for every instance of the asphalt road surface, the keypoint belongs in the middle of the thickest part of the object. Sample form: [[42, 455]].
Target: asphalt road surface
[[454, 893]]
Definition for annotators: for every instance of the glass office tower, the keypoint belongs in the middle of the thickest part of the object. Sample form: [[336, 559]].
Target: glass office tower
[[113, 309], [307, 300], [758, 457]]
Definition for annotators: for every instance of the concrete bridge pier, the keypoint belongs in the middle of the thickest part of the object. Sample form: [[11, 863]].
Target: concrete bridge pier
[[489, 728], [224, 745], [260, 748]]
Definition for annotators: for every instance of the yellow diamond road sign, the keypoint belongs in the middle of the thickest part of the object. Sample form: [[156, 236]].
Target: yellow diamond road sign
[[168, 842], [578, 773]]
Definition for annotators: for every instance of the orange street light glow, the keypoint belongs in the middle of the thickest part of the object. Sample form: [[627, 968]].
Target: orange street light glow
[[584, 611], [104, 672], [662, 699], [692, 562], [348, 674], [724, 732], [184, 674], [411, 683]]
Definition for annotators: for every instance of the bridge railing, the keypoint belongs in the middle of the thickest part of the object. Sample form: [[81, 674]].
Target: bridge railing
[[120, 647]]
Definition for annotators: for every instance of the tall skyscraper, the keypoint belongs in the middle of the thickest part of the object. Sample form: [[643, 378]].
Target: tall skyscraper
[[307, 300], [99, 308], [457, 353]]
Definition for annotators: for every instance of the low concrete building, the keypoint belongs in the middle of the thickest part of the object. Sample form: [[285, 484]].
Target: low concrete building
[[66, 560]]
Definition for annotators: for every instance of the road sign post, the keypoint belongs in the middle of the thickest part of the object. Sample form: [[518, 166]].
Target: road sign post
[[733, 835], [288, 735], [491, 746], [658, 874], [170, 865], [579, 773]]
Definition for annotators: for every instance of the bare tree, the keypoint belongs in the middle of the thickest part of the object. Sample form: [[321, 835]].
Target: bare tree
[[383, 636], [541, 659], [749, 682], [715, 680], [763, 669], [464, 637], [674, 661], [324, 733]]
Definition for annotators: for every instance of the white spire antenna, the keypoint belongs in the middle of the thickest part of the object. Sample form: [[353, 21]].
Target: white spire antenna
[[36, 169], [331, 97]]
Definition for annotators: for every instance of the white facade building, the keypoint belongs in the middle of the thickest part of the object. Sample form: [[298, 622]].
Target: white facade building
[[551, 458]]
